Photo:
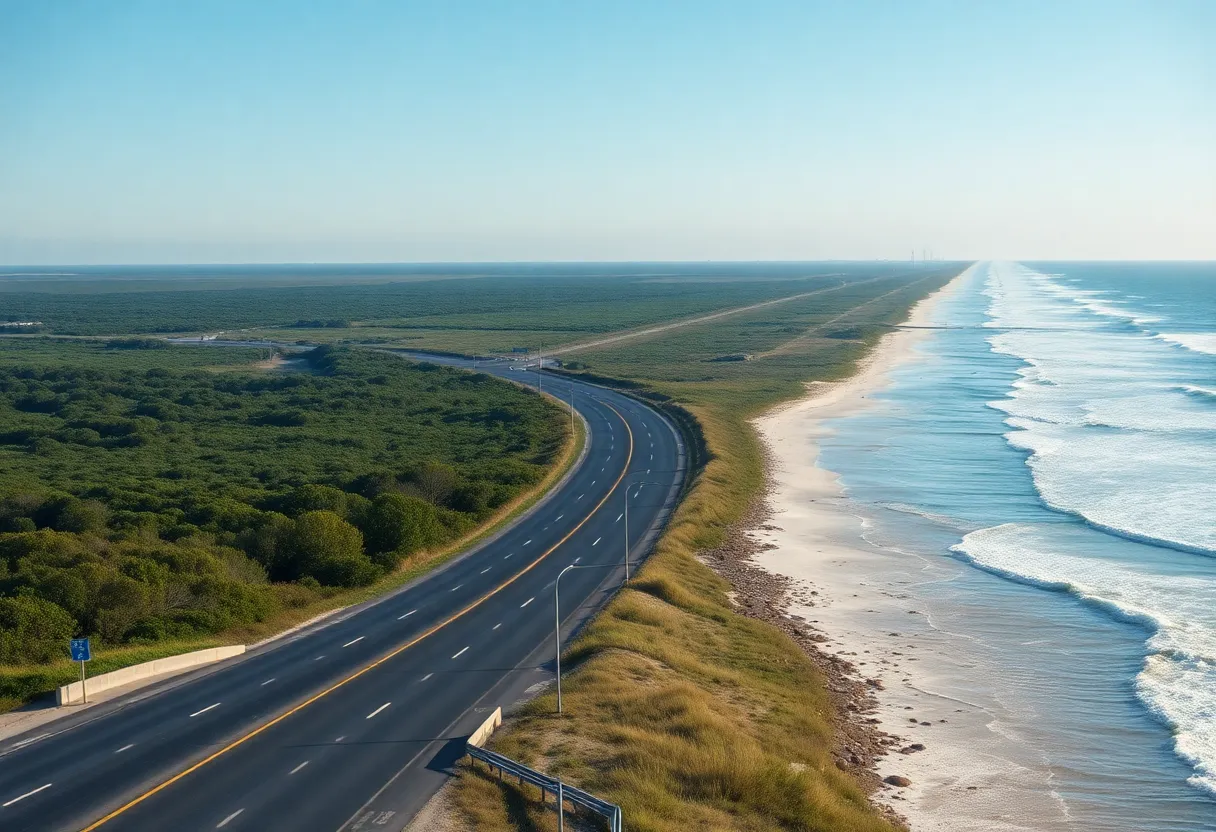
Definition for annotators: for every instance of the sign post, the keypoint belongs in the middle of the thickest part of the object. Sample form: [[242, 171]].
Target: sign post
[[80, 653]]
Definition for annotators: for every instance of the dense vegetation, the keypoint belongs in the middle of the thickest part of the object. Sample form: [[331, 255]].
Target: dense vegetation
[[141, 501]]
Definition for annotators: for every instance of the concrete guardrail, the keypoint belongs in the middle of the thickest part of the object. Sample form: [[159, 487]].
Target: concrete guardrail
[[479, 737], [74, 694]]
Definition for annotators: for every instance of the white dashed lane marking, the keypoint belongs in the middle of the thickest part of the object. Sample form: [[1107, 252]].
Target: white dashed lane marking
[[352, 641], [487, 569], [124, 748], [427, 676], [524, 604], [496, 626], [267, 682], [378, 710], [297, 768], [407, 615], [618, 517], [461, 653], [597, 540], [204, 710], [226, 820], [27, 794]]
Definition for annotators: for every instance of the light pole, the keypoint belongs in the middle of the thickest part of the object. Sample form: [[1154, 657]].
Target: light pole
[[557, 620], [629, 487]]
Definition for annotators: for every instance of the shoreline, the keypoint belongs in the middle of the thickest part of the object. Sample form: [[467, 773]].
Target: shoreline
[[787, 601], [933, 756]]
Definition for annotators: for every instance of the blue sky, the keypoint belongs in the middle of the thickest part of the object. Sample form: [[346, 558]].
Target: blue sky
[[366, 131]]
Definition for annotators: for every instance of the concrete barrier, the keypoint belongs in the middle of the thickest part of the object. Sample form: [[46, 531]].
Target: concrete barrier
[[479, 737], [73, 694]]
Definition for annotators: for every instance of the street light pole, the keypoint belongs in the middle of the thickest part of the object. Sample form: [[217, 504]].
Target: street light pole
[[557, 620]]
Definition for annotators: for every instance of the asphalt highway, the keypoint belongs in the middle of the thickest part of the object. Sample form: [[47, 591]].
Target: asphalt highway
[[353, 723]]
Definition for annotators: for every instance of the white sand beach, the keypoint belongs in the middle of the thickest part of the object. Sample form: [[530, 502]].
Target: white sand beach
[[968, 775]]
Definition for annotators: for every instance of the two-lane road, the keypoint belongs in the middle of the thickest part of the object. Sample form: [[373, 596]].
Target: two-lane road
[[351, 724]]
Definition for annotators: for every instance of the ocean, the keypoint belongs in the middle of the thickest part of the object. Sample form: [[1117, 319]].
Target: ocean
[[1047, 466]]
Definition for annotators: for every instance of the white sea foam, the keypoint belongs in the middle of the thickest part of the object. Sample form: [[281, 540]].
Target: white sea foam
[[1178, 680], [1204, 342], [1112, 435]]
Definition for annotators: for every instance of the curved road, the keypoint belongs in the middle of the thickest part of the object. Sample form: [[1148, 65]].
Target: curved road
[[352, 724]]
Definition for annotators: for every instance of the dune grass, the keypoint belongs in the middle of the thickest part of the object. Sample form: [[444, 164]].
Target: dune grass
[[686, 713]]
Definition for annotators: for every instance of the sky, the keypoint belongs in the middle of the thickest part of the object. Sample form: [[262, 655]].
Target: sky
[[238, 132]]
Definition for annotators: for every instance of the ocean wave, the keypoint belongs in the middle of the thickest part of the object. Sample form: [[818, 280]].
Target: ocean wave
[[1178, 680], [1203, 342], [1112, 434], [1150, 487], [1195, 390], [941, 519]]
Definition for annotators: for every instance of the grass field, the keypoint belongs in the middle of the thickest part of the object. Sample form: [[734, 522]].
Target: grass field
[[687, 714], [564, 301]]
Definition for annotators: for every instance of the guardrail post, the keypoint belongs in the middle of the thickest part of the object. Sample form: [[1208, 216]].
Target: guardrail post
[[561, 807]]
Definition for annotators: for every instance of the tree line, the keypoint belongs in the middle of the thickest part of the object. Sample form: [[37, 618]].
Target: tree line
[[143, 505]]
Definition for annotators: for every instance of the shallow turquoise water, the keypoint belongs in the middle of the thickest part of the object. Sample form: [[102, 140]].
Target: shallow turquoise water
[[1059, 435]]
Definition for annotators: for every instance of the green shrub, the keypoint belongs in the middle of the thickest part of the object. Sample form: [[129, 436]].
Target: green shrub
[[398, 524], [33, 630]]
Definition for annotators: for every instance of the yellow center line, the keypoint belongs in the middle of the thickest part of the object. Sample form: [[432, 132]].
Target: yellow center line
[[384, 658]]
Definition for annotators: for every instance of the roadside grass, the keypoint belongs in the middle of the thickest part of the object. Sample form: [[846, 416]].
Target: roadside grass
[[686, 713], [22, 684]]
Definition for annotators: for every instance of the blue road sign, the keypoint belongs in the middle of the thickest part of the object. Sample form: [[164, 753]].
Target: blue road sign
[[80, 650]]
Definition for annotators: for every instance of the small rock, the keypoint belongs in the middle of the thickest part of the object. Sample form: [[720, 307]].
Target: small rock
[[896, 780]]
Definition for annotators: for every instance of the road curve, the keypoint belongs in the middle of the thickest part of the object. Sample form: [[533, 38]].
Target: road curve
[[353, 723]]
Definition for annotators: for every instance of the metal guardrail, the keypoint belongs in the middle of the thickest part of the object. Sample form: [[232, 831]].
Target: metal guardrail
[[560, 791]]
